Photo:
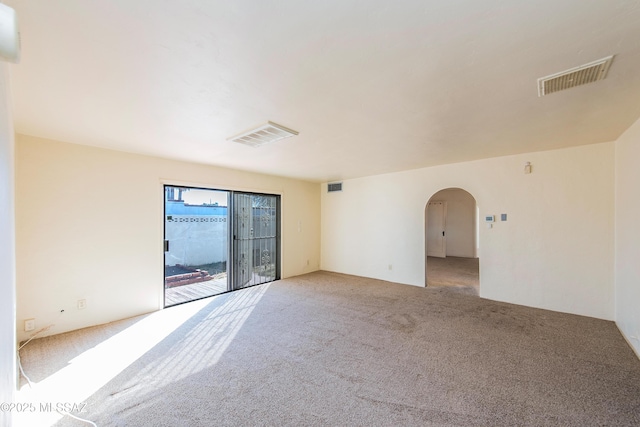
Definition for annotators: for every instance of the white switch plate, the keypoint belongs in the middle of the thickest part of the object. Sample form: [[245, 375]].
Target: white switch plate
[[29, 325]]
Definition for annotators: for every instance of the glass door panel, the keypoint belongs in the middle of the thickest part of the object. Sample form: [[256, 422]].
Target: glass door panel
[[196, 243]]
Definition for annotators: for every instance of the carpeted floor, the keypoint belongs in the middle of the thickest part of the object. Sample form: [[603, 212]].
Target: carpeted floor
[[326, 349], [459, 274]]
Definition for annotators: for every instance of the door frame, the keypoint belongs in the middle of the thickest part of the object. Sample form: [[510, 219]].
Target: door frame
[[189, 184], [478, 204]]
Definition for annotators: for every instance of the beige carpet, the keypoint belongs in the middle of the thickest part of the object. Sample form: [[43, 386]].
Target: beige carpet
[[459, 274], [326, 349]]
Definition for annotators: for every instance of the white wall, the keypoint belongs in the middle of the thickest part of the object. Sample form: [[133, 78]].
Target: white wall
[[627, 269], [7, 250], [89, 225], [196, 239], [554, 252], [460, 222]]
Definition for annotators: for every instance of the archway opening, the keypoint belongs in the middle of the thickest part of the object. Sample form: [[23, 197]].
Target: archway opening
[[452, 241]]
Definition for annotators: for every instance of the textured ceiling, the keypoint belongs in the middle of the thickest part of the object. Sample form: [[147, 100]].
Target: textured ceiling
[[372, 86]]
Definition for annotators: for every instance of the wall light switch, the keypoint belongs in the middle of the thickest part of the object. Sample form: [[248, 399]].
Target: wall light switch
[[503, 217]]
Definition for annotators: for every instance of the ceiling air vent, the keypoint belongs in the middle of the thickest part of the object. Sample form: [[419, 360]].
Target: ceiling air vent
[[263, 134], [587, 73], [334, 186]]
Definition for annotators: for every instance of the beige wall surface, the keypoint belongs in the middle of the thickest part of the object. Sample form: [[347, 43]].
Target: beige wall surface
[[460, 222], [7, 251], [89, 225], [554, 252], [627, 269]]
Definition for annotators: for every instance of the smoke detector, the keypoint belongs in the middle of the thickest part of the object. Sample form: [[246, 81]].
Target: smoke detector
[[587, 73], [263, 134]]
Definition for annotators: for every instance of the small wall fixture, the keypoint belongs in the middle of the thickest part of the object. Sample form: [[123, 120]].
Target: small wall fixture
[[527, 167], [9, 35], [263, 134]]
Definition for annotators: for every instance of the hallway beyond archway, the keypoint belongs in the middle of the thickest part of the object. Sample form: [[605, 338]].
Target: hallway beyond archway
[[455, 273], [452, 241]]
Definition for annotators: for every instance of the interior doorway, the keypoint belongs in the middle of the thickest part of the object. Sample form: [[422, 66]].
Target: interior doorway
[[436, 231], [451, 241]]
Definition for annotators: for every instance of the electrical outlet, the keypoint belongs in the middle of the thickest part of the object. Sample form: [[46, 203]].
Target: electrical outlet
[[390, 266], [82, 304], [29, 325]]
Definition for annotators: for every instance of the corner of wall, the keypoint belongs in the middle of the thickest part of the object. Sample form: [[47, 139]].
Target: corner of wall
[[627, 236], [64, 184], [570, 194], [7, 251]]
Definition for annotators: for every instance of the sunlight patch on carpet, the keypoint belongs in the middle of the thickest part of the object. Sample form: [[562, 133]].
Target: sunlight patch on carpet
[[93, 369]]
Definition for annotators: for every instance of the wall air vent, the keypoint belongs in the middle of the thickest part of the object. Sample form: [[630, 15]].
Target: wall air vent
[[334, 186], [263, 134], [587, 73]]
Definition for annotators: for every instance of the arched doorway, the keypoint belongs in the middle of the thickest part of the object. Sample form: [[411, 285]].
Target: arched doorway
[[451, 241]]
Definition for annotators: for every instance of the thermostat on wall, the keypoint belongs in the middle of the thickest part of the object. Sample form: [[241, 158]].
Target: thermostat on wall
[[489, 218]]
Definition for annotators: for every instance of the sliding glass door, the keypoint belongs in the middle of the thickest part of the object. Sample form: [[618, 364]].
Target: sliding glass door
[[217, 241]]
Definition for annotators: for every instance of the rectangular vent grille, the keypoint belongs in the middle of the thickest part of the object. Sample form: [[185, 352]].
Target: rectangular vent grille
[[263, 134], [334, 186], [587, 73]]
